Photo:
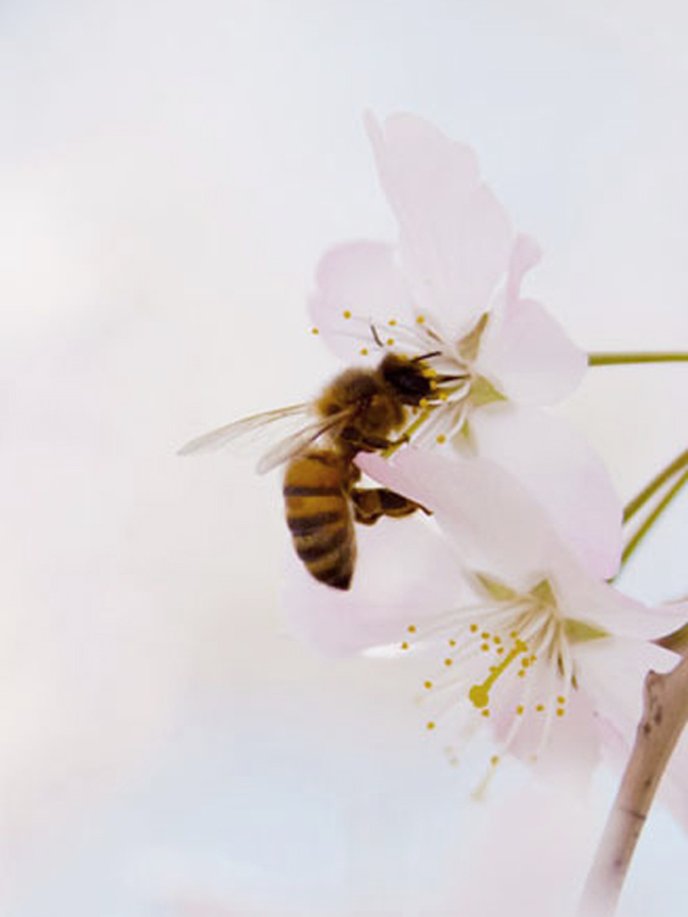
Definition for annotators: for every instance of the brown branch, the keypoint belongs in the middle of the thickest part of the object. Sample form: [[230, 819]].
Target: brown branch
[[664, 716]]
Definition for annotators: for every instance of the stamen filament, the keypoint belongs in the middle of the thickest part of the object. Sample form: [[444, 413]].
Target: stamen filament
[[479, 695], [408, 432], [549, 639]]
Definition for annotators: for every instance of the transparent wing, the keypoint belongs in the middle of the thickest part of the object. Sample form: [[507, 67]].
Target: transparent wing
[[290, 430], [249, 429], [299, 441]]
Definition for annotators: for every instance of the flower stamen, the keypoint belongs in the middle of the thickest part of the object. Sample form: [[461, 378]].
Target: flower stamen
[[479, 695]]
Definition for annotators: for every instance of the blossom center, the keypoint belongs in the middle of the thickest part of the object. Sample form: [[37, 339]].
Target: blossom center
[[507, 657], [458, 389], [479, 695]]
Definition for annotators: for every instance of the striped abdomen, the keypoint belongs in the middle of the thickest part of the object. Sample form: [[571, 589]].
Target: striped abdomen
[[319, 516]]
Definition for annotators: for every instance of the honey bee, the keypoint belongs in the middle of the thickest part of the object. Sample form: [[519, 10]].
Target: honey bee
[[358, 411]]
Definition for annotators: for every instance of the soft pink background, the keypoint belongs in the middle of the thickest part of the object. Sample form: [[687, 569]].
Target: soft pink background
[[170, 173]]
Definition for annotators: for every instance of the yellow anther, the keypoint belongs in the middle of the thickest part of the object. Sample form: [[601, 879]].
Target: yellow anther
[[443, 395], [485, 647], [485, 635], [392, 322], [451, 641], [448, 661], [539, 707], [430, 725], [441, 439], [474, 628], [427, 685], [411, 628], [525, 662], [423, 403], [364, 351], [315, 331], [346, 313], [514, 635], [390, 342], [497, 638], [404, 645], [485, 713], [494, 760], [561, 711], [420, 319], [561, 700], [500, 650], [521, 673], [520, 709]]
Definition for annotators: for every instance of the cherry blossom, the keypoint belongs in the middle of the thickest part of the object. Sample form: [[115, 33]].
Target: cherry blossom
[[515, 633], [451, 289]]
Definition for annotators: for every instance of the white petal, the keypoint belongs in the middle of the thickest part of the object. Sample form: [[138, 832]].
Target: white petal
[[612, 672], [616, 681], [405, 571], [531, 857], [566, 746], [357, 283], [455, 236], [529, 357], [495, 523], [601, 605], [564, 474], [525, 254]]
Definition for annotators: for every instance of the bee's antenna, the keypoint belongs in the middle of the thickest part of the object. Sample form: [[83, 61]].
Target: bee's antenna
[[427, 356], [440, 379], [376, 336]]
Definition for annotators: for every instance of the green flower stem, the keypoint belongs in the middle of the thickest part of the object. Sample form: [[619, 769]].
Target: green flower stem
[[652, 518], [641, 499], [615, 359]]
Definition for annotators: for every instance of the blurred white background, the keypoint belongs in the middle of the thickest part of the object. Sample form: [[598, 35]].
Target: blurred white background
[[170, 173]]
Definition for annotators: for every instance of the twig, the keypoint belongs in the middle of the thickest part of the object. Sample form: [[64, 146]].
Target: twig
[[664, 716]]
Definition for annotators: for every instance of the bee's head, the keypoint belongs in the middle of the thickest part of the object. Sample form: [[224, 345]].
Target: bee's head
[[411, 379]]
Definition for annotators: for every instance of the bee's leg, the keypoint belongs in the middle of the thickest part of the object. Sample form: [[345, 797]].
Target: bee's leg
[[401, 440], [363, 443], [371, 503]]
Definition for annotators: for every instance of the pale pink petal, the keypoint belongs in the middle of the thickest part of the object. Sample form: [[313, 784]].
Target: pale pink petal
[[357, 283], [525, 254], [455, 236], [405, 571], [494, 522], [617, 682], [599, 604], [564, 474], [612, 672], [531, 856], [528, 357], [573, 746], [570, 748]]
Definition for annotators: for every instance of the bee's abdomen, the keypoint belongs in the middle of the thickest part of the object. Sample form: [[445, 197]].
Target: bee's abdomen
[[319, 517]]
